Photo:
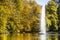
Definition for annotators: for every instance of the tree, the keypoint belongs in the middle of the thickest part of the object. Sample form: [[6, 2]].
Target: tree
[[51, 15], [19, 15]]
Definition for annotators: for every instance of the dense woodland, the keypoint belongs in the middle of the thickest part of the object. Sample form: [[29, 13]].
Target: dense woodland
[[19, 16]]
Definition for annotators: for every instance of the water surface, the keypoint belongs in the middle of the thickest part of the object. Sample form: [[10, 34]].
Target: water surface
[[27, 36]]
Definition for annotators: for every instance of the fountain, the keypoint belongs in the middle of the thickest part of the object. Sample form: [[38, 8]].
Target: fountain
[[42, 19], [43, 24]]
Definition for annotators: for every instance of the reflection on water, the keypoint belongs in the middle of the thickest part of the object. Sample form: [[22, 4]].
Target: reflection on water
[[27, 36], [19, 37], [53, 37]]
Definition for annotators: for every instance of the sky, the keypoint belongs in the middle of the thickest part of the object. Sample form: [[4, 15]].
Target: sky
[[42, 2]]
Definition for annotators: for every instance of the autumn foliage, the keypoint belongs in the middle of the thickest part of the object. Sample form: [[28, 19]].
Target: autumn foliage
[[52, 16], [19, 16]]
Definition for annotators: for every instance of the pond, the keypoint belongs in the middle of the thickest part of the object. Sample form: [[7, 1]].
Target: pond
[[27, 36]]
